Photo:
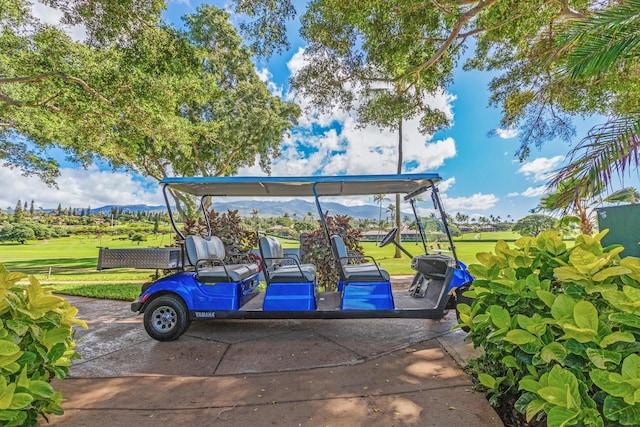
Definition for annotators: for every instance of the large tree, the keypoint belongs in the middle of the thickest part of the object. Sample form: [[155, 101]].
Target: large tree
[[418, 43], [137, 92], [553, 59], [414, 46], [356, 62]]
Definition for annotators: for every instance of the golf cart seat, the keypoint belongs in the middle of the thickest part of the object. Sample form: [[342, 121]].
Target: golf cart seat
[[359, 271], [207, 255], [364, 285], [291, 286], [281, 268]]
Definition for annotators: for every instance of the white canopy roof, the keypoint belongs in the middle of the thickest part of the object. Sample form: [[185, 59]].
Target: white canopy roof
[[302, 186]]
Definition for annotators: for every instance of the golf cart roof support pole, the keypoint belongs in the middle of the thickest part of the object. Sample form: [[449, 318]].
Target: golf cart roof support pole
[[419, 224], [173, 222], [323, 220], [205, 214], [435, 194]]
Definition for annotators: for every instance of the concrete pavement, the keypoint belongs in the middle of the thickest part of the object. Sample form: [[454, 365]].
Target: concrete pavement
[[372, 372]]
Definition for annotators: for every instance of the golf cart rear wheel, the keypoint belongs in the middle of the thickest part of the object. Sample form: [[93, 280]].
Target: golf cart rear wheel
[[166, 318]]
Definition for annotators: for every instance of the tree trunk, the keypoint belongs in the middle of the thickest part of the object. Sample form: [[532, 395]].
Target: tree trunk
[[398, 209]]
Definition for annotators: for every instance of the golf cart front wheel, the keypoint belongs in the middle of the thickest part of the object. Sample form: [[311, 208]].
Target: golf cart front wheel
[[166, 318]]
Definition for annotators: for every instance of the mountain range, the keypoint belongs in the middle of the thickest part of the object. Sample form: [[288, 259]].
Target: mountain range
[[296, 208]]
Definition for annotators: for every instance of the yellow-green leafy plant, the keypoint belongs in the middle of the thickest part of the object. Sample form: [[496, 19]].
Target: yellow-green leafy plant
[[560, 328], [36, 345]]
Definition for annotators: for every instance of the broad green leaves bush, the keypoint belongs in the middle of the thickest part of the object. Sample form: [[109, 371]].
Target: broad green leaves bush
[[560, 328], [238, 242], [315, 248], [36, 345]]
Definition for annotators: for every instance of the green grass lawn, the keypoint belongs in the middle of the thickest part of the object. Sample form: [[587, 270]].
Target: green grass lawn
[[492, 235], [74, 260]]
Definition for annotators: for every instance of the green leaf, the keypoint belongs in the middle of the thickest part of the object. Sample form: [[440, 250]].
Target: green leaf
[[603, 275], [6, 395], [534, 408], [582, 335], [20, 328], [22, 380], [568, 274], [547, 297], [20, 400], [562, 307], [631, 367], [56, 335], [616, 337], [555, 395], [615, 409], [529, 384], [560, 417], [510, 361], [57, 351], [487, 380], [518, 336], [611, 383], [499, 316], [600, 357], [601, 288], [41, 389], [8, 348], [585, 315], [554, 351], [626, 319]]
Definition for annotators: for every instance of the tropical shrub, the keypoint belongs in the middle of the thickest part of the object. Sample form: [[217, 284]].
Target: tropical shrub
[[315, 248], [36, 345], [560, 330], [238, 242]]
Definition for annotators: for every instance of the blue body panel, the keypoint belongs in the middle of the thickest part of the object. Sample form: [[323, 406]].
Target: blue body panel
[[367, 296], [290, 297], [201, 296], [460, 277]]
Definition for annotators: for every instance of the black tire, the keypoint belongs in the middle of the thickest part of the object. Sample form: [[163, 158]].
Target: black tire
[[166, 318], [464, 300]]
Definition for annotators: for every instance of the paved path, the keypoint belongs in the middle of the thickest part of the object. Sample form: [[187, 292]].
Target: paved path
[[379, 372]]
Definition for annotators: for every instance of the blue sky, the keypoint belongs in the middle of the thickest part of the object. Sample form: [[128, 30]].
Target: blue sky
[[481, 175]]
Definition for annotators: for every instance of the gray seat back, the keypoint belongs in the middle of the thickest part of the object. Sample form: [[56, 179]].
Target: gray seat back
[[340, 249], [200, 248], [271, 251]]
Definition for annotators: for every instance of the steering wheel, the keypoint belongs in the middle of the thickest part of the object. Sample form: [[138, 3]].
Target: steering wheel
[[391, 235]]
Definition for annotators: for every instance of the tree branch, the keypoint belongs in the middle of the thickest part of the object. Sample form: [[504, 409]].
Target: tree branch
[[464, 18], [65, 77]]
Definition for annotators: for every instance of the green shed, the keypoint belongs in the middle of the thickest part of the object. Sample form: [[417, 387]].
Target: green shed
[[623, 223]]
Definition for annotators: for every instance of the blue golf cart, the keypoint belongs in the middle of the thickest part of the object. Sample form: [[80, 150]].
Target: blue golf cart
[[204, 286]]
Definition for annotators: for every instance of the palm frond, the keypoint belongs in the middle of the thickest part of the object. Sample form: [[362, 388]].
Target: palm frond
[[608, 40], [624, 195], [608, 150]]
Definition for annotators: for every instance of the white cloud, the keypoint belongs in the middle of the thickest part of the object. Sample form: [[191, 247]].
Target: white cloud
[[265, 75], [477, 201], [446, 184], [534, 191], [79, 188], [541, 168], [52, 16], [333, 143], [516, 194], [507, 133]]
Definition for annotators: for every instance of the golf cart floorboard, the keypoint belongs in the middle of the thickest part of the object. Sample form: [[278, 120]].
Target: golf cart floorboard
[[328, 307], [330, 301]]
